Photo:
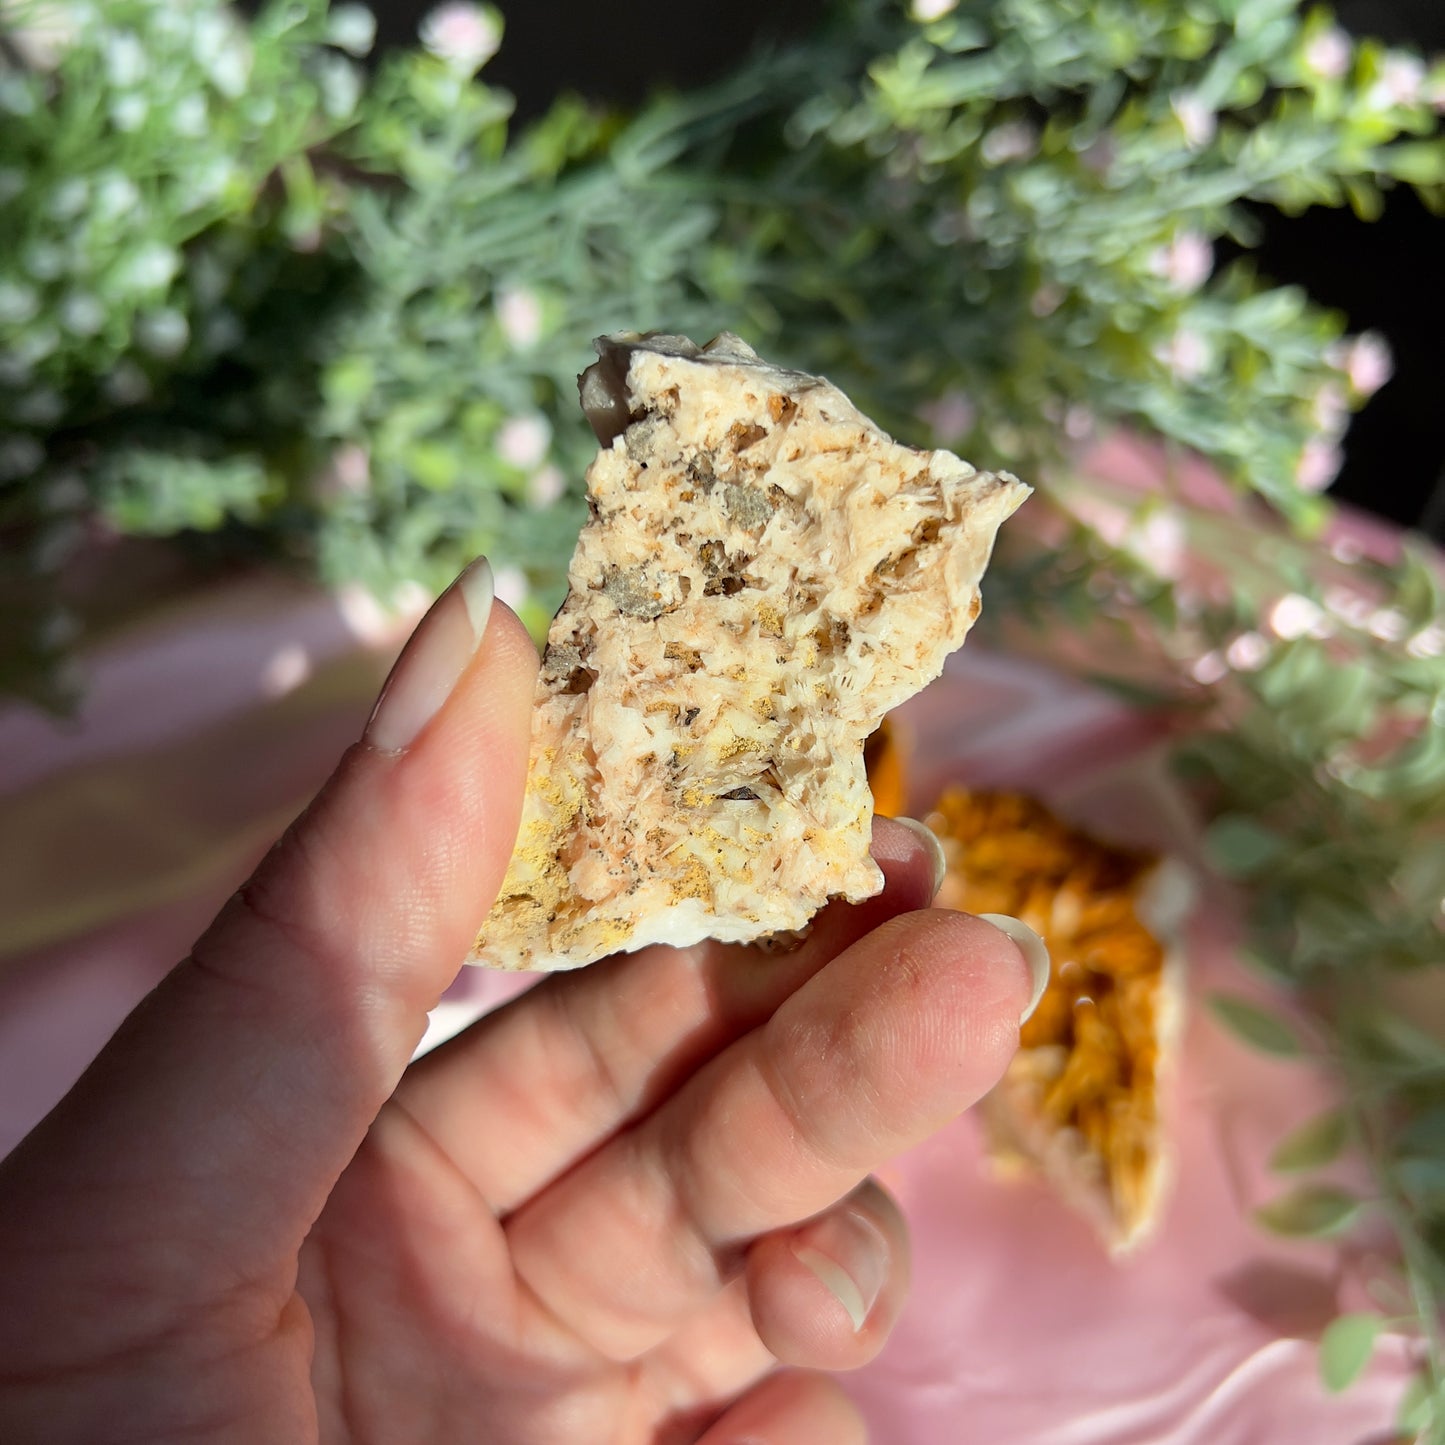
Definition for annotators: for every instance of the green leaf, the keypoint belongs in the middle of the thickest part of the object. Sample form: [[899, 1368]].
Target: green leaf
[[1391, 1042], [1345, 1349], [1268, 960], [1422, 163], [1417, 1406], [1256, 1026], [1423, 1181], [1238, 846], [1312, 1145], [1312, 1211], [434, 464]]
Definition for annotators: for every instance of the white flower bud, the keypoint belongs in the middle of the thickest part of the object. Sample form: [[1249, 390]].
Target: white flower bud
[[351, 28], [81, 314], [1328, 54], [523, 440], [125, 60], [519, 314], [164, 334], [465, 36], [1196, 119]]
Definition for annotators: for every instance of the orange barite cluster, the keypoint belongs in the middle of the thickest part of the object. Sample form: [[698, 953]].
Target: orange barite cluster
[[1089, 1061]]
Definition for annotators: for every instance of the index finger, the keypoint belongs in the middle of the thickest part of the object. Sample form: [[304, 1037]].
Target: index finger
[[585, 1053], [893, 1039]]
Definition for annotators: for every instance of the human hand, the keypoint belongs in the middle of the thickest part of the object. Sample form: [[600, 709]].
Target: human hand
[[605, 1212]]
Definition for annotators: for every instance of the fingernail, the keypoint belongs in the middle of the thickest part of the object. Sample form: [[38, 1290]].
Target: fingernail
[[849, 1255], [444, 642], [929, 839], [1034, 950]]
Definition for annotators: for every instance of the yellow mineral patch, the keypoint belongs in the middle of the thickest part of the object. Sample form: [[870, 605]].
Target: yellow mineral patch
[[734, 746], [691, 881], [770, 619]]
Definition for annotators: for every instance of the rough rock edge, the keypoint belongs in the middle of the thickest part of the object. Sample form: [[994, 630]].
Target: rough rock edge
[[764, 574]]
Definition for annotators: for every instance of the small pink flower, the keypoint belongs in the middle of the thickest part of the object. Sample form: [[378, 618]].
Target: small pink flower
[[1197, 120], [410, 600], [510, 585], [1014, 140], [1429, 642], [1078, 422], [365, 618], [465, 36], [1328, 54], [351, 467], [1319, 465], [1248, 652], [1348, 605], [285, 670], [1389, 624], [1402, 79], [1294, 616], [951, 417], [1160, 542], [519, 314], [1209, 669], [523, 440], [1047, 299], [545, 487], [1366, 362], [1186, 354], [1185, 263], [347, 474]]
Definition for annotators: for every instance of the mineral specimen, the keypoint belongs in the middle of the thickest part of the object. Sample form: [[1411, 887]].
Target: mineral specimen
[[763, 576], [1084, 1100]]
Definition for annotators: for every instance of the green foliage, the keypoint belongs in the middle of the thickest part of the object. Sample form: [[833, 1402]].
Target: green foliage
[[155, 199], [136, 174], [1418, 1410], [1314, 1144], [1312, 1211], [1256, 1026], [1346, 1347], [995, 228], [1238, 846]]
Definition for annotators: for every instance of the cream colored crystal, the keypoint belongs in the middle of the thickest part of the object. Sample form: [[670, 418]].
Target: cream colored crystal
[[764, 575]]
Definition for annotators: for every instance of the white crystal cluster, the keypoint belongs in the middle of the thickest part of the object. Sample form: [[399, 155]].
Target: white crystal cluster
[[764, 574]]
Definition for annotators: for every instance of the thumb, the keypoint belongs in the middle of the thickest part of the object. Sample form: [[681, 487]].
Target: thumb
[[240, 1089]]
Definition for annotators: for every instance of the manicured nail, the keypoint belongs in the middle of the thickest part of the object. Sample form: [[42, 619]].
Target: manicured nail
[[849, 1255], [444, 642], [929, 839], [1034, 950]]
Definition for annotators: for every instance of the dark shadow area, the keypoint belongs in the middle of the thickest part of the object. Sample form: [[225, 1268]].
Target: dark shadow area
[[1386, 276], [618, 53]]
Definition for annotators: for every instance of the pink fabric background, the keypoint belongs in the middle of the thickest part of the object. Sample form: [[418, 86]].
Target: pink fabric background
[[204, 730]]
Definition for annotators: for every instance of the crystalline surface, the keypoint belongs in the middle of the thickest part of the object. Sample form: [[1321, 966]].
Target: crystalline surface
[[764, 575]]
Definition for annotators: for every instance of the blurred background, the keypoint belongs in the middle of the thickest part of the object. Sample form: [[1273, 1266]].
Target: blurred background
[[1394, 452]]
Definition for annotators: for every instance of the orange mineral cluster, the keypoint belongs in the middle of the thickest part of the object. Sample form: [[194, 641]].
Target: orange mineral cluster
[[1082, 1099]]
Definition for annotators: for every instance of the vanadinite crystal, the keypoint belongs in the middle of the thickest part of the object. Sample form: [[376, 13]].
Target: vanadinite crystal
[[1082, 1099]]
